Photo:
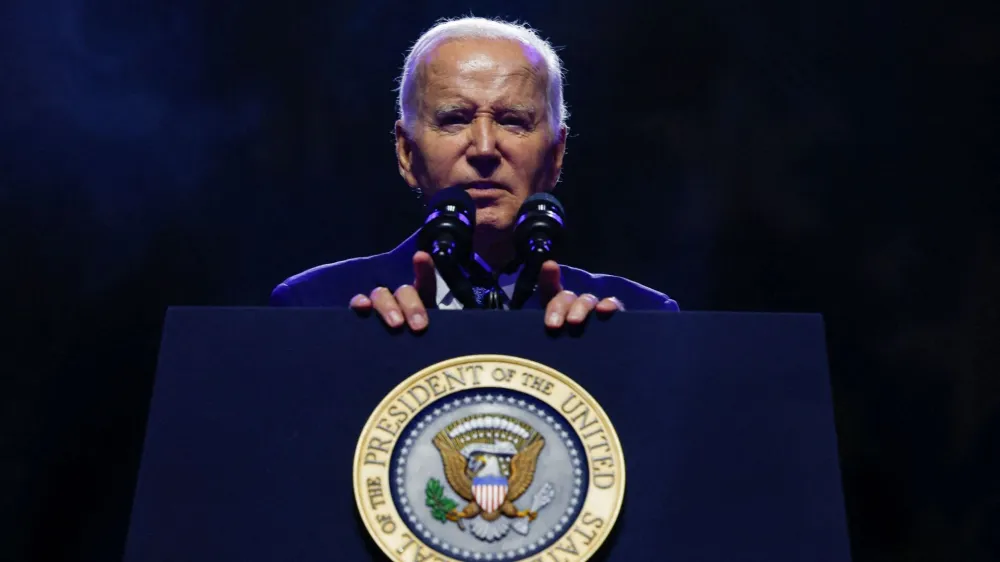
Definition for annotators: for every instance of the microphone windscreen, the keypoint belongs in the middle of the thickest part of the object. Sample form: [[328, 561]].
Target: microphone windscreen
[[532, 202]]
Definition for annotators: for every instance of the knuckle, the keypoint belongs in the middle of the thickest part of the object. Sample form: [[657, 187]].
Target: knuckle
[[379, 293], [410, 305]]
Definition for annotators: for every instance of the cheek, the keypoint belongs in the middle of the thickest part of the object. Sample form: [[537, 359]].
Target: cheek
[[442, 157], [528, 151], [527, 159]]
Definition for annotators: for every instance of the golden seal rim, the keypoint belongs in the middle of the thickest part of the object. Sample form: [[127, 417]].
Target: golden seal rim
[[401, 387]]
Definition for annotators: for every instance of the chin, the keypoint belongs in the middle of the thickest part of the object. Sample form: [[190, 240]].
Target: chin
[[493, 220]]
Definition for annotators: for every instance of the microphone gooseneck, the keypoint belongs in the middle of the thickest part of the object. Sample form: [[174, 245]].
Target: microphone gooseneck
[[538, 234], [447, 236]]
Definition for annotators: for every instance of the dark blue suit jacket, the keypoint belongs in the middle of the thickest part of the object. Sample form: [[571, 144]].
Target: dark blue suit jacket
[[335, 284]]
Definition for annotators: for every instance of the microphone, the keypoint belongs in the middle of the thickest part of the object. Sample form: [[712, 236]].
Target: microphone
[[447, 236], [538, 234]]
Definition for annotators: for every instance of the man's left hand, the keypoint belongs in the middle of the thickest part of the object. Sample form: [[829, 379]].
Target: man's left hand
[[563, 306]]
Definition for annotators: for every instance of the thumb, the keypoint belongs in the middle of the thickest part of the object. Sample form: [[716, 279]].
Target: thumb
[[549, 281], [424, 278]]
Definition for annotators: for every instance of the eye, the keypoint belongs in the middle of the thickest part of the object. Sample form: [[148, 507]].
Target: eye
[[453, 118], [515, 120]]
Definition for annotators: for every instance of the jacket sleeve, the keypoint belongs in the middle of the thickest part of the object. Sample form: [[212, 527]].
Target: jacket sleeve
[[650, 301], [635, 296], [670, 304], [282, 295]]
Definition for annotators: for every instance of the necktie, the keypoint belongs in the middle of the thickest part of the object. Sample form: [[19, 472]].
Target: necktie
[[488, 292]]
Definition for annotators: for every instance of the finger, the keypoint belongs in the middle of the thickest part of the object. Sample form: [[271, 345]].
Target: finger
[[549, 281], [555, 311], [609, 305], [386, 306], [580, 308], [361, 303], [413, 309], [424, 278]]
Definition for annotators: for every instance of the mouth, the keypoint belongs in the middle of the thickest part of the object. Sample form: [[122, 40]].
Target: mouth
[[480, 187]]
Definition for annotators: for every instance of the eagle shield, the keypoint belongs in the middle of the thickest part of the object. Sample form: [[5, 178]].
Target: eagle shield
[[489, 460], [490, 492]]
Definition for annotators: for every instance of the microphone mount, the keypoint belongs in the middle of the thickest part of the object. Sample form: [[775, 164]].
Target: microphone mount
[[447, 236], [538, 234]]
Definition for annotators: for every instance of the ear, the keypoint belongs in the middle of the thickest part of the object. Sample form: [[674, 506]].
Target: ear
[[556, 154], [405, 155]]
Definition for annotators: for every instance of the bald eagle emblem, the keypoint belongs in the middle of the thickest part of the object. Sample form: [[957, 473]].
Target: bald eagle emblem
[[489, 461]]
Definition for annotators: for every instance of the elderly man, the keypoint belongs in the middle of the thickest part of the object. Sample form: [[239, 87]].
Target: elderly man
[[480, 106]]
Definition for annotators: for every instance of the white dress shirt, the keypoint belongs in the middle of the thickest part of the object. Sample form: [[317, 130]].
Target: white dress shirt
[[447, 301]]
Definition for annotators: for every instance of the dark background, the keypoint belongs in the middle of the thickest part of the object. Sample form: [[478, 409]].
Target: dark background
[[819, 155]]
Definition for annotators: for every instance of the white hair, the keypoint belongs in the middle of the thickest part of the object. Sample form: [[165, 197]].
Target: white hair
[[482, 28]]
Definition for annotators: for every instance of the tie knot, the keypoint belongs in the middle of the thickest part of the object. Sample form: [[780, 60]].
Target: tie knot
[[487, 289]]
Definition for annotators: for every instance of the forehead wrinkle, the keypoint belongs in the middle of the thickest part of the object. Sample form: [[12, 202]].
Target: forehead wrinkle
[[464, 93], [517, 82], [435, 77], [519, 78]]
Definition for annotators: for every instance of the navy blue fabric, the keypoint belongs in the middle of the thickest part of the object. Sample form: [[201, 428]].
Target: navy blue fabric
[[334, 284], [726, 424]]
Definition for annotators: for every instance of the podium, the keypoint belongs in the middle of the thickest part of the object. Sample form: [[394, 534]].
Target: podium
[[725, 421]]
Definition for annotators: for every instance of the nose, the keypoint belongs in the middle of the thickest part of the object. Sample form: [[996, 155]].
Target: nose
[[482, 153]]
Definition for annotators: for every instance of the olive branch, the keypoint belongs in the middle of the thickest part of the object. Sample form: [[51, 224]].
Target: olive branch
[[440, 505]]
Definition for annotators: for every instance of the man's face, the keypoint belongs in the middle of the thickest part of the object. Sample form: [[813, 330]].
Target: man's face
[[482, 122]]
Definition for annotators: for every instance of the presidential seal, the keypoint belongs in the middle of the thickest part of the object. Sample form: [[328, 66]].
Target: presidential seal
[[491, 458]]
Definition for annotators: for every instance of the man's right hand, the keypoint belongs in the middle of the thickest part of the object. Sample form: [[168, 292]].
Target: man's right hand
[[409, 303]]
